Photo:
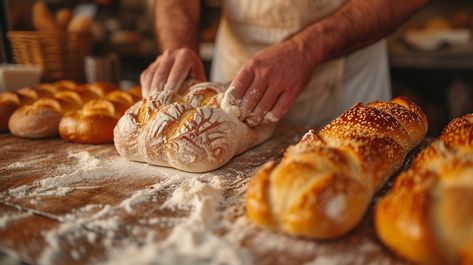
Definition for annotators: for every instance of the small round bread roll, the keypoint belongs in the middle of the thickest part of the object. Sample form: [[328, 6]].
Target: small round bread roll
[[65, 84], [92, 125], [38, 120], [135, 92], [69, 100], [41, 119], [120, 100]]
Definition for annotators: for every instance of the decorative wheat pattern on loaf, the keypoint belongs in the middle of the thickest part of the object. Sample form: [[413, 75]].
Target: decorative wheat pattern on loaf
[[192, 133]]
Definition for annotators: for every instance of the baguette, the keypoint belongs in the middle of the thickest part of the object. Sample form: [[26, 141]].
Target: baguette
[[63, 17], [42, 18], [191, 133], [324, 184], [427, 217]]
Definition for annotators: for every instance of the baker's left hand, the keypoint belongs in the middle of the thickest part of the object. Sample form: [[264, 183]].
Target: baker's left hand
[[268, 84]]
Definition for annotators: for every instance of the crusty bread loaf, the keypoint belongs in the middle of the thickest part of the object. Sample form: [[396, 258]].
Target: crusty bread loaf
[[94, 123], [63, 17], [192, 133], [324, 184], [427, 217], [42, 18], [50, 102]]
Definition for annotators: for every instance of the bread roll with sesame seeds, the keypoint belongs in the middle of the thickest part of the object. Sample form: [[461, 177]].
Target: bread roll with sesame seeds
[[324, 184], [192, 133], [427, 217]]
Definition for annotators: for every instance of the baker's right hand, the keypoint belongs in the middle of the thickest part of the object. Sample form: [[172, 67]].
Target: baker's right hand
[[169, 71]]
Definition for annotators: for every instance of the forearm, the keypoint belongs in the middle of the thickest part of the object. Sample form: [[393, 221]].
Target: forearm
[[355, 25], [177, 23]]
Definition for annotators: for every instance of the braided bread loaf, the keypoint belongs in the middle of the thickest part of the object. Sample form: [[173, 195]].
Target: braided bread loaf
[[193, 133], [427, 217], [41, 118], [94, 123], [324, 184]]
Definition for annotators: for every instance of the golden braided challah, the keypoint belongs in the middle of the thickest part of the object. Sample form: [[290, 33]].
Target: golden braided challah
[[427, 217], [324, 184], [191, 133]]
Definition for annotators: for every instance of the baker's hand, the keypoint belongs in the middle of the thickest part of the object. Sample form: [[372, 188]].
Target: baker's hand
[[268, 84], [169, 71]]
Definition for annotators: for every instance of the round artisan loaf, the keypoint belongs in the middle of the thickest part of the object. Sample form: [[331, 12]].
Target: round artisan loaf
[[427, 217], [191, 133], [324, 184]]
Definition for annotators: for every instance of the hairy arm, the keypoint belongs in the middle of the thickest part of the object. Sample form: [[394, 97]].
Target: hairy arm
[[176, 25], [267, 85], [355, 25]]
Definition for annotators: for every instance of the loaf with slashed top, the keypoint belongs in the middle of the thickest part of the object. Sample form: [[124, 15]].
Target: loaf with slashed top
[[188, 131]]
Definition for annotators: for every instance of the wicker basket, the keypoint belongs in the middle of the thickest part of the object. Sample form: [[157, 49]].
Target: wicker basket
[[60, 54]]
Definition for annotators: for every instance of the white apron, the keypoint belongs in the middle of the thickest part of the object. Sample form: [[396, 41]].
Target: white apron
[[248, 26]]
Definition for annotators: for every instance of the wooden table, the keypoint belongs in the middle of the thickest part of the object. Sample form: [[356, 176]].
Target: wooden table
[[63, 203]]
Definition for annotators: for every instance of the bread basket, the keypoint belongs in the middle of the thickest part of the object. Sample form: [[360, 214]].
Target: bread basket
[[59, 54]]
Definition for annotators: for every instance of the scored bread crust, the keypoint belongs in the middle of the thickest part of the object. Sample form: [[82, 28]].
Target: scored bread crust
[[427, 217], [324, 184], [192, 133]]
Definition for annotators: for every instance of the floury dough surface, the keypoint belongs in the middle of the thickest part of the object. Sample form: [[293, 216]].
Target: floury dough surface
[[107, 210]]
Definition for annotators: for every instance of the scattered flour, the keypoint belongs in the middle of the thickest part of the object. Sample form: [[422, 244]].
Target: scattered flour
[[73, 228], [89, 167], [270, 118], [230, 104], [17, 165], [195, 239], [336, 206], [6, 219]]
